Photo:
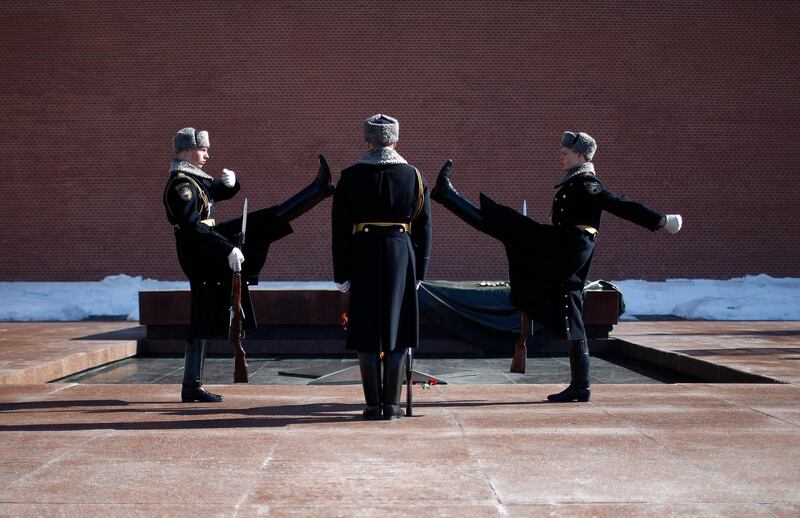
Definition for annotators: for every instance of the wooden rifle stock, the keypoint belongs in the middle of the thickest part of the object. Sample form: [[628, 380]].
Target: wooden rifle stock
[[520, 349], [236, 333], [235, 327]]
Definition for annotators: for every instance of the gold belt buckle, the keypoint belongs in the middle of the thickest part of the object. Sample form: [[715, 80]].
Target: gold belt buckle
[[361, 227], [208, 222], [587, 228]]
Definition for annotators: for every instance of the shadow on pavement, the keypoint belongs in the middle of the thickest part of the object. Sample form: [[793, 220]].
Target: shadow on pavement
[[266, 416]]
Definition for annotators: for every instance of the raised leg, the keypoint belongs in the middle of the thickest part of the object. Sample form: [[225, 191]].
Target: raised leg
[[305, 200], [444, 193]]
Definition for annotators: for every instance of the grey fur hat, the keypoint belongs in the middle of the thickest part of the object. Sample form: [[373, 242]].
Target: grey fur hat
[[382, 130], [580, 143], [190, 138]]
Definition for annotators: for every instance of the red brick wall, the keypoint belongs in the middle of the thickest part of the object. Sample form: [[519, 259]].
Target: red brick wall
[[694, 105]]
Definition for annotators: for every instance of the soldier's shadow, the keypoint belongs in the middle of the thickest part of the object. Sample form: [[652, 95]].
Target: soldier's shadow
[[204, 417]]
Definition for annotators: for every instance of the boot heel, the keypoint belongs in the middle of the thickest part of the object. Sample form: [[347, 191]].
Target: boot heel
[[392, 412], [583, 396], [372, 413]]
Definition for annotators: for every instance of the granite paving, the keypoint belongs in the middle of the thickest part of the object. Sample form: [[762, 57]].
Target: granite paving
[[470, 450], [658, 447]]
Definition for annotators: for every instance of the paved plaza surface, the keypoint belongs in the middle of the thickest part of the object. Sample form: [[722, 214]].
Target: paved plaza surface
[[649, 449]]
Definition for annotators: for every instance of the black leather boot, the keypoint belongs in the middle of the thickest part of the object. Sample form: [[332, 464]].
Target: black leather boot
[[393, 375], [579, 388], [370, 366], [444, 193], [305, 200], [193, 374]]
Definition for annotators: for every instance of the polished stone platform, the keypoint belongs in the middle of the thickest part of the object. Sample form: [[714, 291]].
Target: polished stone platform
[[41, 352], [291, 371], [471, 450]]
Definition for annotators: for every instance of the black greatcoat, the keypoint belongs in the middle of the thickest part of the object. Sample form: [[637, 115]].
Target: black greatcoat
[[549, 264], [203, 246], [381, 263]]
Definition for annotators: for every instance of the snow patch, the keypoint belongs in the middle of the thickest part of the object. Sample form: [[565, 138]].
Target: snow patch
[[758, 297], [114, 296], [753, 297]]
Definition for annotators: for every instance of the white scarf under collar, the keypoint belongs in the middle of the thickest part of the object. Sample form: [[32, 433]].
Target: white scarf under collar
[[183, 166], [382, 155]]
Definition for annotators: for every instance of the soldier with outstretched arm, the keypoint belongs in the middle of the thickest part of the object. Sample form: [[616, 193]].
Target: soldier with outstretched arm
[[381, 224], [208, 252], [549, 263]]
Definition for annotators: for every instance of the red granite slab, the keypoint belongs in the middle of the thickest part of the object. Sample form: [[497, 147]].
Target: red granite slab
[[43, 351], [493, 450]]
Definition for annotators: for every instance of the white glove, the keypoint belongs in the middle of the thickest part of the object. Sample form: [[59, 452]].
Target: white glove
[[235, 260], [419, 283], [674, 223], [228, 178], [343, 287]]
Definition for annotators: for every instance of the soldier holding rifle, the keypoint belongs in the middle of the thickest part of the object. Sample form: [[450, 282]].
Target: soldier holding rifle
[[208, 252]]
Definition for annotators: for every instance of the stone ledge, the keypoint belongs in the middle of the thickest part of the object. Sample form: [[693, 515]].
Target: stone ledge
[[42, 352]]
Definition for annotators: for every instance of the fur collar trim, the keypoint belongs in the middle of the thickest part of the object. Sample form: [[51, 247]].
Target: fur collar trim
[[181, 166], [583, 169], [381, 156]]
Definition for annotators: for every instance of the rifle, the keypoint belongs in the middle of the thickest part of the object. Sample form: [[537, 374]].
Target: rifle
[[409, 381], [235, 330], [520, 349]]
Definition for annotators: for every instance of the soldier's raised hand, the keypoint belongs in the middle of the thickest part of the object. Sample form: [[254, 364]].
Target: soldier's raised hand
[[324, 176], [673, 223], [235, 260], [228, 178]]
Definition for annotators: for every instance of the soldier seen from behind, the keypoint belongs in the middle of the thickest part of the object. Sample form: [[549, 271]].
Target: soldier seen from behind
[[381, 224]]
